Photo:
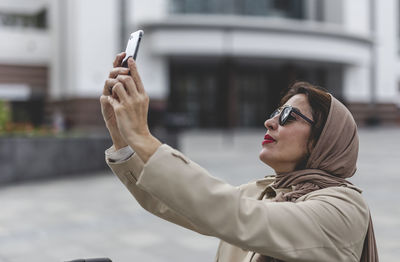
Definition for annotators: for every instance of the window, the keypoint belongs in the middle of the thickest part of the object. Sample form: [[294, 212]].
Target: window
[[271, 8], [35, 20]]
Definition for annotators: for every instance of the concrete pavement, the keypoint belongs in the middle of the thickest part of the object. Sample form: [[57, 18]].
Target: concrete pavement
[[95, 216]]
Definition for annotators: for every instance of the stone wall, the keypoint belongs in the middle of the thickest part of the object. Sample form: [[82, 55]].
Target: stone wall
[[32, 158]]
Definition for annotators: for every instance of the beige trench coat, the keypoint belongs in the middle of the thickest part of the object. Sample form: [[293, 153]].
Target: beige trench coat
[[325, 225]]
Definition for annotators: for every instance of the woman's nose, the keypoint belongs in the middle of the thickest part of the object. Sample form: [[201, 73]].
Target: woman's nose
[[272, 123]]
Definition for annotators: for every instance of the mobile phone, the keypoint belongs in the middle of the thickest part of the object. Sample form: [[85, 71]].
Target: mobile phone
[[132, 47], [91, 260]]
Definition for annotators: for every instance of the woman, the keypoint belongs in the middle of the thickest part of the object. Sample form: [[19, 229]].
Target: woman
[[307, 212]]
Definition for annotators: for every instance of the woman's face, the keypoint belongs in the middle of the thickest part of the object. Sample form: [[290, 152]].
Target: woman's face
[[290, 142]]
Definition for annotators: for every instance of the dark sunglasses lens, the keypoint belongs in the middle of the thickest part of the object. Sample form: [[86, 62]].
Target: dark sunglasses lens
[[285, 115]]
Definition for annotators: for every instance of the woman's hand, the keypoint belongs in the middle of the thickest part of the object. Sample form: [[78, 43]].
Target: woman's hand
[[130, 104], [106, 109]]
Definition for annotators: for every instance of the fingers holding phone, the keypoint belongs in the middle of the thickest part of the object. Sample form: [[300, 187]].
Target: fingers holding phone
[[106, 109], [111, 80], [118, 59], [135, 75], [120, 63], [121, 67], [118, 71]]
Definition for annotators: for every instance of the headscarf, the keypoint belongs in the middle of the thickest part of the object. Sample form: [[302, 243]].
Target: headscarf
[[332, 160]]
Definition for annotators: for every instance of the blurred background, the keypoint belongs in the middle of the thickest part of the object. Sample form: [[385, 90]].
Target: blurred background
[[214, 70]]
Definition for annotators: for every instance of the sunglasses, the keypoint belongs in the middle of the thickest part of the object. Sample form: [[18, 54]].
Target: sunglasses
[[286, 113]]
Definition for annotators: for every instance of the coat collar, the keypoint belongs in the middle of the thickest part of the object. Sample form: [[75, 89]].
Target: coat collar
[[270, 191]]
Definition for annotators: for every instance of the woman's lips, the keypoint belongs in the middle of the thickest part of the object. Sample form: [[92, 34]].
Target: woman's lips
[[268, 139]]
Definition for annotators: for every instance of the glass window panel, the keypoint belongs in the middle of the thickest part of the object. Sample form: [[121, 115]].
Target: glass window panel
[[37, 20], [276, 8], [256, 7]]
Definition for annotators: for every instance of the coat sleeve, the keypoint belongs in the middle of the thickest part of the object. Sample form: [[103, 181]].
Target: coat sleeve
[[128, 171], [322, 228]]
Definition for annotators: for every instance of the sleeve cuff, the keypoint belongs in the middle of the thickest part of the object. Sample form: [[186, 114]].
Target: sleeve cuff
[[117, 156]]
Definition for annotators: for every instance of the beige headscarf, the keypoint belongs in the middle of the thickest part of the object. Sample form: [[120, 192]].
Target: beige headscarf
[[332, 160]]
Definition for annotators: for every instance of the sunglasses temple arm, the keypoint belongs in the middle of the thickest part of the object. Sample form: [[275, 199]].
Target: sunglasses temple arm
[[304, 117]]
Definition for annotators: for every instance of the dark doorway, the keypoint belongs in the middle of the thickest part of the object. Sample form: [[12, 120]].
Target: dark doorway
[[227, 92], [31, 111]]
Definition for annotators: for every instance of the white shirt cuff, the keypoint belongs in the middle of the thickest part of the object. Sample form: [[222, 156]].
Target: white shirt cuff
[[120, 155]]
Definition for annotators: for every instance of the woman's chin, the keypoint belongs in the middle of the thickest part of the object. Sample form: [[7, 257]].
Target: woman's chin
[[264, 156]]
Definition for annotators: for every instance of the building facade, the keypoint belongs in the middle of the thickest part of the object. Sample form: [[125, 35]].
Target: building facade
[[206, 64]]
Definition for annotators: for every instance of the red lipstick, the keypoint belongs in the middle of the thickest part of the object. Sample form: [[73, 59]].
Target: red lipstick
[[268, 139]]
